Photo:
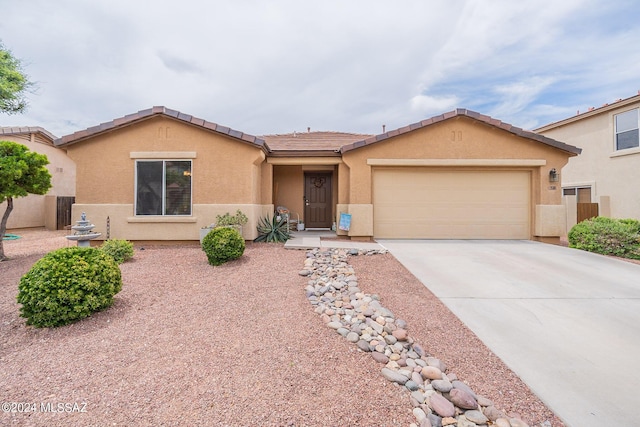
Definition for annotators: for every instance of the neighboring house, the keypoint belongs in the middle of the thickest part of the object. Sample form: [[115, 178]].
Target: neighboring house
[[162, 175], [609, 166], [52, 210]]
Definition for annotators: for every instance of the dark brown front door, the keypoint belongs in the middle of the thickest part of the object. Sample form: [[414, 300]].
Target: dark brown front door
[[317, 197]]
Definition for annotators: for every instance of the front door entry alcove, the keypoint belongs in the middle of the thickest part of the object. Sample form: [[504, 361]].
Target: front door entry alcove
[[317, 200]]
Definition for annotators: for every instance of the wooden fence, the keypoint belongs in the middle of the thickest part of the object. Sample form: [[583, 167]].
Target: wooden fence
[[63, 212], [587, 211]]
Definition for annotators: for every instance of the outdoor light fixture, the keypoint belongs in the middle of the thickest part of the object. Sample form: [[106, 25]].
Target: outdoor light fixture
[[553, 175]]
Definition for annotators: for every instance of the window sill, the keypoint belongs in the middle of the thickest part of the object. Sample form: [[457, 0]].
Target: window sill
[[161, 219], [625, 152]]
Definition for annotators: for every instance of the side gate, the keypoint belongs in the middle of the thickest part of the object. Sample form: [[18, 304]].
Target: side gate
[[587, 211], [63, 212]]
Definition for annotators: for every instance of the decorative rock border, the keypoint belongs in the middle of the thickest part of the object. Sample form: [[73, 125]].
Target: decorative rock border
[[437, 396]]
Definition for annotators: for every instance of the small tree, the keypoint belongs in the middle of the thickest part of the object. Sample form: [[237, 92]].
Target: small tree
[[13, 83], [22, 172]]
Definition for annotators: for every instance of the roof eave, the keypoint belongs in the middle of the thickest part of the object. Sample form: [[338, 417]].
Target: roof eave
[[304, 153], [27, 130], [590, 113], [461, 112], [158, 111]]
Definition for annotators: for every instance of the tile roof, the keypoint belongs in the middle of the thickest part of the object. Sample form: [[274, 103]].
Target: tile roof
[[23, 130], [311, 141], [618, 103], [153, 112], [461, 112]]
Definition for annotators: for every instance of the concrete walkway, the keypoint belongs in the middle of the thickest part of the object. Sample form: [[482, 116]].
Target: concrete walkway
[[566, 321], [313, 239]]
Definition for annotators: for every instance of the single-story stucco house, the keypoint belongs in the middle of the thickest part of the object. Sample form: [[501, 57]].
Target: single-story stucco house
[[52, 210], [159, 174]]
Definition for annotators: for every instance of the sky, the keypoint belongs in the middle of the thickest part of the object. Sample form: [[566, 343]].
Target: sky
[[267, 67]]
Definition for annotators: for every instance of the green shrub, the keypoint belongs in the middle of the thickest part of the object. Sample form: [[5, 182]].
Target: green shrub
[[119, 250], [227, 219], [273, 230], [608, 236], [223, 244], [68, 284]]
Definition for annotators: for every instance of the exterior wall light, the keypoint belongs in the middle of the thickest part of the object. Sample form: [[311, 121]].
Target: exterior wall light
[[553, 175]]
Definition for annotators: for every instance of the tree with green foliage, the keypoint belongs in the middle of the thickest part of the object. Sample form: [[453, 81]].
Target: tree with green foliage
[[14, 84], [22, 172]]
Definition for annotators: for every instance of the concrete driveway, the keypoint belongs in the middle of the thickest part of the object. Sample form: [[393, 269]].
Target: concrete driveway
[[566, 321]]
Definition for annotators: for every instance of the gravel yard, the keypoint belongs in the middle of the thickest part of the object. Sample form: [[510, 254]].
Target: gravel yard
[[190, 344]]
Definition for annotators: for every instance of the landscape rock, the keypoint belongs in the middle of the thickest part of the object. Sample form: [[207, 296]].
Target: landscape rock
[[462, 386], [494, 414], [431, 373], [442, 386], [441, 405], [437, 396], [462, 399], [502, 422], [394, 376], [354, 337], [412, 386], [464, 422], [400, 334], [379, 357], [363, 345], [517, 422], [476, 417]]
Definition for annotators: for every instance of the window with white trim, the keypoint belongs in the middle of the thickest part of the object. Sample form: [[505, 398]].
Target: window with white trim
[[163, 187], [627, 125], [583, 194]]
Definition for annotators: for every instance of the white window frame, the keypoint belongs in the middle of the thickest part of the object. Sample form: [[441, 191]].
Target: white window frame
[[164, 195], [615, 130], [576, 187]]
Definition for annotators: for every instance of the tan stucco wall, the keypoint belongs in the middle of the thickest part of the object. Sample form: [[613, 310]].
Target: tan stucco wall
[[460, 139], [224, 170], [124, 225], [288, 188], [226, 175], [30, 211], [609, 172]]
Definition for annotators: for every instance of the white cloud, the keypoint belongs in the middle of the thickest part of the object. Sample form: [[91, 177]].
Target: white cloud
[[265, 67], [432, 105], [517, 96]]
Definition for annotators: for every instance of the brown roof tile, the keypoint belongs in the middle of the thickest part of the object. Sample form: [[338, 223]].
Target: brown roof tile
[[461, 112], [197, 122], [22, 130], [151, 112], [311, 141]]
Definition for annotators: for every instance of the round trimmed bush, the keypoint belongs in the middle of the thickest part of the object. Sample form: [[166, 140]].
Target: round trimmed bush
[[120, 250], [223, 244], [607, 236], [68, 284]]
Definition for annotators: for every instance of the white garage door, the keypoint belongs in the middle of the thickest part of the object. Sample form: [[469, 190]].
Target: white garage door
[[419, 203]]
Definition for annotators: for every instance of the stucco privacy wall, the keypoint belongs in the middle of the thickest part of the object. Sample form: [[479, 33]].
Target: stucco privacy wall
[[227, 174], [611, 174], [35, 210], [460, 143]]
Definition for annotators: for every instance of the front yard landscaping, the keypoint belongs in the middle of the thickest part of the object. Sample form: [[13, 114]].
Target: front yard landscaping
[[185, 343]]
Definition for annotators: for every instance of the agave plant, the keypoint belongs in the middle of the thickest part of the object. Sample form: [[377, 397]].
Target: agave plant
[[272, 229]]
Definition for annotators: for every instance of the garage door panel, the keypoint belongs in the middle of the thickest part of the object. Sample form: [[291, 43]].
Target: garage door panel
[[422, 203]]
